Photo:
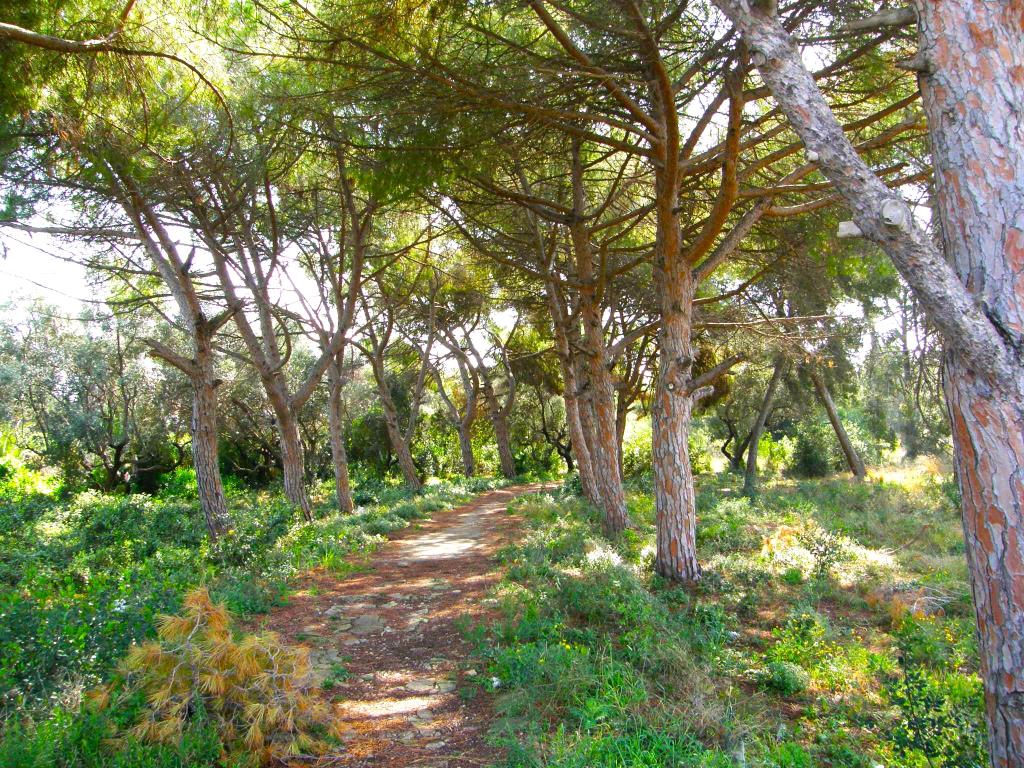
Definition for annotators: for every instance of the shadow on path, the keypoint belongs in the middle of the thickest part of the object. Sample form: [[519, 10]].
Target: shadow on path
[[387, 646]]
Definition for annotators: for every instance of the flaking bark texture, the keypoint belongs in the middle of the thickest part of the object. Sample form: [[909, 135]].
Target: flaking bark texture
[[988, 438], [573, 419], [604, 454], [971, 73], [672, 413], [972, 89]]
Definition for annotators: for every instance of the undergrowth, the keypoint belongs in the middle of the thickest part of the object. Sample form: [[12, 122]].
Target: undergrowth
[[82, 579], [832, 628]]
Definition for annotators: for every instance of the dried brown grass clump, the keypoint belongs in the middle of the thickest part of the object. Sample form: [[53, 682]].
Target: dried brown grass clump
[[255, 690]]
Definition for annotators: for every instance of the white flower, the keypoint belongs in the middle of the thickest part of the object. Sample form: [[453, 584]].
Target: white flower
[[495, 682], [120, 604]]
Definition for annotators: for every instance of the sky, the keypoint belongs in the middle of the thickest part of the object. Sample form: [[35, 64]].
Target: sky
[[30, 268]]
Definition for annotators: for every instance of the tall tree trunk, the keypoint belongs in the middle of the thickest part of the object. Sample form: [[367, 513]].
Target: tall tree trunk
[[970, 60], [853, 460], [573, 419], [750, 476], [604, 454], [204, 445], [504, 441], [336, 427], [293, 462], [672, 411], [500, 424], [402, 453], [973, 92], [621, 416], [988, 438], [466, 449]]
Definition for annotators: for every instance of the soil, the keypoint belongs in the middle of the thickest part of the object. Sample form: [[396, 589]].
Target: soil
[[388, 647]]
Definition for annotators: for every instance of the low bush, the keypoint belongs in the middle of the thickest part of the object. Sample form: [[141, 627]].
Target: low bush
[[253, 690], [785, 677]]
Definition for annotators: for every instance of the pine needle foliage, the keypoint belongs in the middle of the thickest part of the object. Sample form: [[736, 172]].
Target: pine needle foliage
[[256, 691]]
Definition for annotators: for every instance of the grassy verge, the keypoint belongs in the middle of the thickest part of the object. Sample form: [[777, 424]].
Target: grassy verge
[[833, 628], [81, 580]]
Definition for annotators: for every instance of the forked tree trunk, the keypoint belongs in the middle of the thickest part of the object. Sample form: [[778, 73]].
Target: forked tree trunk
[[750, 476], [580, 451], [853, 459], [499, 423], [736, 461], [336, 427], [403, 454], [502, 438], [970, 60]]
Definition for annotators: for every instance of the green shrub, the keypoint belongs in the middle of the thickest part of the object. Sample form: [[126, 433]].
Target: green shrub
[[702, 448], [941, 718], [802, 640], [785, 677], [775, 454], [789, 754], [793, 576], [812, 455], [407, 510], [827, 549], [637, 459], [80, 740]]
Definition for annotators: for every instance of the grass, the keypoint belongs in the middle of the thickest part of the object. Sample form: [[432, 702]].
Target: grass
[[833, 627], [81, 579]]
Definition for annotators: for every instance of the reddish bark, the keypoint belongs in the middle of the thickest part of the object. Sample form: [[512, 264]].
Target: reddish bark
[[970, 69]]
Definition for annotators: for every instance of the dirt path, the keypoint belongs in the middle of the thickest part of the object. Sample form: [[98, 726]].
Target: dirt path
[[386, 643]]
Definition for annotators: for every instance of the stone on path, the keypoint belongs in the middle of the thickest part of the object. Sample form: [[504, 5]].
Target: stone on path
[[430, 685], [367, 623]]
